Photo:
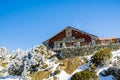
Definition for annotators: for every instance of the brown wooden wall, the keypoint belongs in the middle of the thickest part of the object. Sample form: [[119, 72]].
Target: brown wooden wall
[[76, 34], [79, 35], [57, 37]]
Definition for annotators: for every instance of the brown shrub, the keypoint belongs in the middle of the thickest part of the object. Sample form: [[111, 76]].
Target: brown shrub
[[40, 75]]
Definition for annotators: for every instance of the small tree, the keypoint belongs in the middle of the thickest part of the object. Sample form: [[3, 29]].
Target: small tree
[[33, 61], [101, 57], [85, 75]]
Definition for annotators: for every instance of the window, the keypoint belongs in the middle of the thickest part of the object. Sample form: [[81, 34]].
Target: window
[[61, 45], [75, 44], [51, 45]]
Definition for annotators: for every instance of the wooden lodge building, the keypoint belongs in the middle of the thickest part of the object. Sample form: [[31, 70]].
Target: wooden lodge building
[[71, 37]]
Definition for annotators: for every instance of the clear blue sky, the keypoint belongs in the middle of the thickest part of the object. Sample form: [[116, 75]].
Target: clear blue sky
[[26, 23]]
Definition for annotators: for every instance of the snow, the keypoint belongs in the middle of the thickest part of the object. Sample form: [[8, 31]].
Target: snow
[[80, 68], [102, 69], [63, 75], [106, 78], [115, 54], [10, 78], [88, 57]]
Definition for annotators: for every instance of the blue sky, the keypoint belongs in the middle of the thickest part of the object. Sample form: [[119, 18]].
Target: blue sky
[[26, 23]]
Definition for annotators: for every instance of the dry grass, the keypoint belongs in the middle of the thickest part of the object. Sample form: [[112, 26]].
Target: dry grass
[[40, 75], [70, 64], [3, 64]]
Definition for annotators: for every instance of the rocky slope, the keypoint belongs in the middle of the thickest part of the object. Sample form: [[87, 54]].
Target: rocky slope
[[37, 64]]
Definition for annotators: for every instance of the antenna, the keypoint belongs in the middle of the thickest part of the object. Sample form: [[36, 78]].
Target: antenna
[[102, 37]]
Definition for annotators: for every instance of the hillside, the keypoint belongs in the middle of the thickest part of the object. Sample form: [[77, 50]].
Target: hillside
[[37, 64]]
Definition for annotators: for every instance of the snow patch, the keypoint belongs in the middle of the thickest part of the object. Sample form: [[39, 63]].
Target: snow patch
[[10, 78], [106, 78], [63, 75]]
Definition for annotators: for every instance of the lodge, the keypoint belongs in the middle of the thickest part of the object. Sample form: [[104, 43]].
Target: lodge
[[71, 37]]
